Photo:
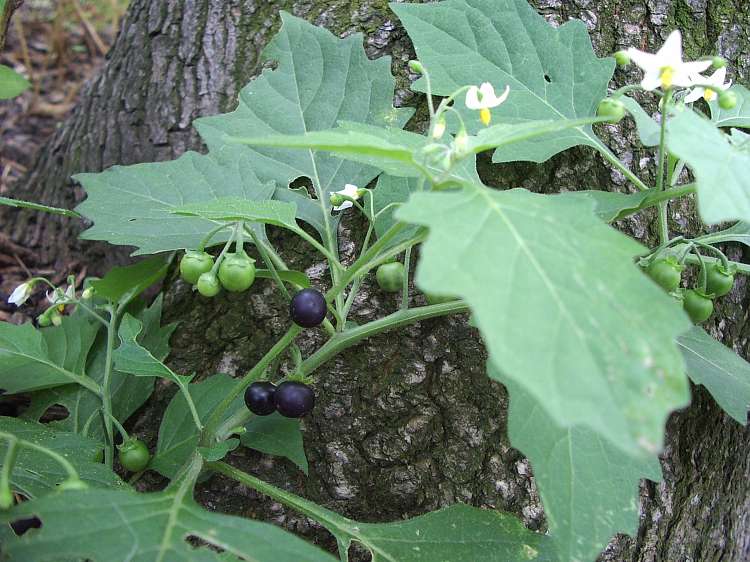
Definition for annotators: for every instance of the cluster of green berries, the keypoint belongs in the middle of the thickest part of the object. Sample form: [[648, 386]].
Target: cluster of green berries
[[236, 272], [699, 305]]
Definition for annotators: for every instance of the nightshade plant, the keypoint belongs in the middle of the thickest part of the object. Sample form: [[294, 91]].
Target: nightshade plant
[[584, 325]]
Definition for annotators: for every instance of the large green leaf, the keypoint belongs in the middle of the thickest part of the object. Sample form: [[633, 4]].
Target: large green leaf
[[33, 359], [553, 73], [649, 130], [589, 487], [132, 205], [120, 526], [563, 310], [739, 232], [391, 189], [276, 435], [455, 534], [12, 84], [127, 393], [739, 115], [609, 205], [35, 473], [122, 284], [319, 80], [232, 209], [178, 435], [725, 374], [719, 165]]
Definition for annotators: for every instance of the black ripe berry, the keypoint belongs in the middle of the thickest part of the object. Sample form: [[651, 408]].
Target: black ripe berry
[[308, 308], [294, 399], [259, 398], [20, 526]]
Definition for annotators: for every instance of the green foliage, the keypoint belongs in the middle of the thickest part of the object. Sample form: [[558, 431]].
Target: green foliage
[[276, 435], [719, 165], [231, 209], [122, 284], [109, 525], [36, 474], [12, 84], [568, 337], [608, 205], [552, 72], [724, 374], [739, 116]]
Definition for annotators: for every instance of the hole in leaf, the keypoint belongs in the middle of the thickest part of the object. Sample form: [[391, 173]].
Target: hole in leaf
[[547, 78], [303, 182], [131, 220], [20, 526]]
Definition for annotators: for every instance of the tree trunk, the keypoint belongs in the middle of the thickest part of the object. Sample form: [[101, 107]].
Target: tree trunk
[[405, 422]]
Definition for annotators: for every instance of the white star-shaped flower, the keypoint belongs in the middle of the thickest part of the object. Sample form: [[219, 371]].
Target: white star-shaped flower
[[21, 293], [716, 80], [483, 99], [666, 68], [350, 190]]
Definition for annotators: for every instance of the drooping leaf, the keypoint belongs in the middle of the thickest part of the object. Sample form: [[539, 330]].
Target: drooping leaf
[[228, 209], [739, 115], [455, 533], [553, 73], [34, 359], [569, 317], [725, 374], [122, 284], [649, 130], [12, 84], [720, 167], [609, 205], [319, 80], [178, 436], [391, 189], [36, 474], [589, 487], [127, 393], [276, 435], [739, 232], [113, 526], [132, 205]]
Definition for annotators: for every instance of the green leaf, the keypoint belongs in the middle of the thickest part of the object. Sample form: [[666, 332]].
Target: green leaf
[[562, 308], [122, 284], [20, 204], [739, 232], [220, 450], [127, 393], [32, 359], [649, 131], [720, 167], [724, 373], [553, 73], [178, 436], [288, 275], [455, 533], [36, 474], [589, 487], [608, 205], [319, 80], [391, 189], [132, 205], [276, 435], [738, 116], [109, 526], [12, 84], [232, 209]]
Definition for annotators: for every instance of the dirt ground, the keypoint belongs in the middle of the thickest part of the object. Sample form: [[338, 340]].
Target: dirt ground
[[58, 46]]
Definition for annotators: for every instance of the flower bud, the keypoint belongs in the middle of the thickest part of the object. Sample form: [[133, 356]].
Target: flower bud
[[622, 58], [337, 199], [416, 67], [718, 62], [439, 129], [87, 293]]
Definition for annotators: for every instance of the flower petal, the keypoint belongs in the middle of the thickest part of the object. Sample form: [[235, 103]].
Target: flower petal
[[671, 51], [472, 98]]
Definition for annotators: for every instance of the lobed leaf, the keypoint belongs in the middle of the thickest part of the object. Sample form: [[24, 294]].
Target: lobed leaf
[[229, 209], [278, 436], [569, 317], [609, 205], [122, 284]]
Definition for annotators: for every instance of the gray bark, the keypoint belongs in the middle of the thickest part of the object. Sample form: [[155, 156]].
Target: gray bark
[[406, 422]]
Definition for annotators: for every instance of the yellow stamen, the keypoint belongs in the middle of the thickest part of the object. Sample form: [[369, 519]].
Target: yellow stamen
[[485, 116], [61, 307], [709, 95], [667, 75]]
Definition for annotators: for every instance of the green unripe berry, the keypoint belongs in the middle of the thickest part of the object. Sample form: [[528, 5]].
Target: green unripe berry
[[208, 285], [698, 306], [718, 62], [727, 100], [416, 67], [613, 109], [390, 277], [622, 58], [193, 264], [337, 199], [236, 272]]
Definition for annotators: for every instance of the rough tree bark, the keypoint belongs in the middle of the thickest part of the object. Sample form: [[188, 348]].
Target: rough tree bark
[[405, 423]]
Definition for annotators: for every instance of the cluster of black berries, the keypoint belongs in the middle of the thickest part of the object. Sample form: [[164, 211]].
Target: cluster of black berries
[[292, 399]]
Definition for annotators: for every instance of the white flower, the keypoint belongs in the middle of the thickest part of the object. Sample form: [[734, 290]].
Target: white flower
[[21, 293], [483, 98], [666, 68], [349, 190], [716, 80]]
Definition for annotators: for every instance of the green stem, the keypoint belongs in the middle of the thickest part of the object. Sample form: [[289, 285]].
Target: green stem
[[405, 288], [106, 397], [660, 171], [92, 313], [351, 337], [722, 256], [211, 234], [18, 203], [8, 463], [209, 431], [742, 268], [269, 262], [333, 260], [120, 429], [615, 161]]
